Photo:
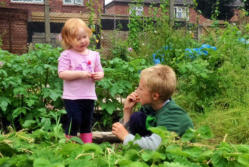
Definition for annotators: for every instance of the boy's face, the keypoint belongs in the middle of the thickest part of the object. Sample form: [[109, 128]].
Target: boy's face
[[144, 94]]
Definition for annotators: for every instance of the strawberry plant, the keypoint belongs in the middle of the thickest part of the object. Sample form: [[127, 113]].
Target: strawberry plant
[[41, 148]]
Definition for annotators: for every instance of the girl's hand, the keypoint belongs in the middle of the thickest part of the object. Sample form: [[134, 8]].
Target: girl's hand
[[85, 74], [119, 130], [97, 76]]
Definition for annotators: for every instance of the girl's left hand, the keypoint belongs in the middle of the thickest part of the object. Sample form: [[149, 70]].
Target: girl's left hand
[[97, 76]]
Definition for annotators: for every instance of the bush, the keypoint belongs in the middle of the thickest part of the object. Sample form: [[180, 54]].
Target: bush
[[30, 88]]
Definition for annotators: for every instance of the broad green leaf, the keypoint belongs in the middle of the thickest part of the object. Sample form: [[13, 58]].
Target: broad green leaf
[[18, 111], [7, 150], [28, 123], [244, 159], [153, 155], [4, 103], [77, 140], [81, 163], [92, 147], [132, 155]]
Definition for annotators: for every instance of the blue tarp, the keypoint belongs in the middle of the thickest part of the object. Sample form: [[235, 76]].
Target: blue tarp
[[203, 50], [244, 41], [190, 52]]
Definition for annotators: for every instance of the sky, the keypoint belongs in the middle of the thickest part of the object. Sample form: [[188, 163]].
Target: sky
[[107, 1]]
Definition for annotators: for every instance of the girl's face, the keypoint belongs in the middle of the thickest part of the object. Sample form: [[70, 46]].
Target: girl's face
[[81, 42]]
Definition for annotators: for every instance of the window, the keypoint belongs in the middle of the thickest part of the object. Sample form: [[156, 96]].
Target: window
[[138, 10], [181, 13], [73, 2], [29, 1]]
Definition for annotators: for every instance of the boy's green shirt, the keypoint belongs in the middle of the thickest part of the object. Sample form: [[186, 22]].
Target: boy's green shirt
[[171, 116]]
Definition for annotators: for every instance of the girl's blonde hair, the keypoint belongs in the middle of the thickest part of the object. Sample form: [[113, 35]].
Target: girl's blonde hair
[[160, 79], [70, 31]]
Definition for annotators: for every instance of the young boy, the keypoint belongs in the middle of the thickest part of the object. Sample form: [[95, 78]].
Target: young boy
[[156, 86]]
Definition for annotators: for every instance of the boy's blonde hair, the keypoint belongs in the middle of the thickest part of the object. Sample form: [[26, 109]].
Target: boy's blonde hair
[[160, 79], [70, 31]]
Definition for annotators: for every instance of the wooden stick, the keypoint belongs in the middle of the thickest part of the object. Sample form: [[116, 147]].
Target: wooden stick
[[99, 137]]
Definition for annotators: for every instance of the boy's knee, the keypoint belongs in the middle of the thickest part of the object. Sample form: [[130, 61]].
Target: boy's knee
[[137, 117]]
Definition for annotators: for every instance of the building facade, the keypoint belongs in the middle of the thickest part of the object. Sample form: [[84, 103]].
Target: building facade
[[59, 12], [183, 10]]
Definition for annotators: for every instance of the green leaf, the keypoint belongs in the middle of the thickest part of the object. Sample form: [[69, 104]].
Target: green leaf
[[77, 140], [244, 159], [28, 123], [7, 150], [132, 155], [92, 147], [18, 111], [109, 107], [81, 163], [41, 162], [153, 155], [4, 103]]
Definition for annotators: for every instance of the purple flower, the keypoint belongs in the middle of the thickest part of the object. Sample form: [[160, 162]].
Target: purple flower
[[129, 49]]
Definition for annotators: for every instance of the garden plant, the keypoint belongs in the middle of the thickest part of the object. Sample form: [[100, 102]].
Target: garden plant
[[212, 87]]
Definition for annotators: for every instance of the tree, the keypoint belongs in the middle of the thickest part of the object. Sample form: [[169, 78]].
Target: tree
[[219, 9], [246, 5]]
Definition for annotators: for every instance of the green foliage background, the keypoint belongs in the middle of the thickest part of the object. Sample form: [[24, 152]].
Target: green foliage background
[[212, 88]]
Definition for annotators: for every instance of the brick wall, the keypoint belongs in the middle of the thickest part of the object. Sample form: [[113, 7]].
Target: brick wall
[[118, 9], [55, 6], [207, 22], [13, 30], [122, 9]]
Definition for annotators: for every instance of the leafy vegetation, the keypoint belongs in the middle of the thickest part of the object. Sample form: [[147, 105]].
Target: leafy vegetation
[[38, 149], [29, 86], [212, 87]]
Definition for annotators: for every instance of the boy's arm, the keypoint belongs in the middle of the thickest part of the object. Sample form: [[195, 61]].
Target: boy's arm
[[151, 142]]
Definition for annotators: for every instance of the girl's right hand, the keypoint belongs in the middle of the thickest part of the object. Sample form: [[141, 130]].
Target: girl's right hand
[[86, 74]]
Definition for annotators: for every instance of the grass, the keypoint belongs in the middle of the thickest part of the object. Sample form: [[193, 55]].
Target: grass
[[230, 125]]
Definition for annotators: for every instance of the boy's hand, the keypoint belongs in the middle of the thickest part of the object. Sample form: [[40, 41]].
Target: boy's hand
[[129, 104], [97, 76], [131, 100], [119, 130]]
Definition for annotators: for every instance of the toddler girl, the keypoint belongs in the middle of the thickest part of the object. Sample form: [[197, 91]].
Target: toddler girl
[[79, 67]]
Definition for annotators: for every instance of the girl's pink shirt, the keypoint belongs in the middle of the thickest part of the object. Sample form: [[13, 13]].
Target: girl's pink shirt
[[79, 88]]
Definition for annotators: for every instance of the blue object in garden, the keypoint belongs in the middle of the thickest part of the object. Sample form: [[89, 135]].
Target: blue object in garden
[[158, 58], [195, 52], [244, 41]]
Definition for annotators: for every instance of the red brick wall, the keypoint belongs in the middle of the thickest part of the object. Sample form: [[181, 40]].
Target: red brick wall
[[55, 6], [13, 30], [206, 22], [123, 9], [119, 9]]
